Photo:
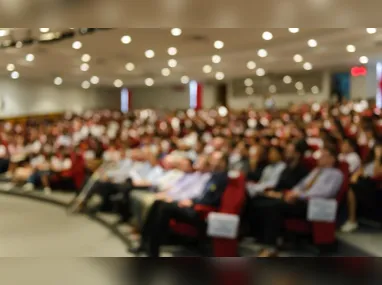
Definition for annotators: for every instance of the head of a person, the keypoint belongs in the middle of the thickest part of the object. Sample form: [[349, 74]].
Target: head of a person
[[218, 161], [328, 157], [185, 165], [275, 154], [201, 164], [293, 153], [348, 146]]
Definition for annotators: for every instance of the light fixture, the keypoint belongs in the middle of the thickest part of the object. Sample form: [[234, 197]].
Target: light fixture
[[218, 44], [315, 90], [118, 83], [248, 82], [350, 48], [84, 67], [185, 79], [86, 58], [94, 79], [77, 45], [363, 59], [172, 51], [44, 30], [307, 66], [29, 57], [371, 30], [312, 43], [4, 33], [294, 30], [287, 79], [85, 84], [149, 81], [149, 53], [298, 58], [126, 39], [299, 85], [272, 88], [219, 75], [15, 75], [10, 67], [216, 58], [207, 68], [19, 44], [260, 72], [262, 53], [58, 81], [267, 36], [130, 66], [176, 32], [166, 71], [172, 62], [251, 65], [249, 90]]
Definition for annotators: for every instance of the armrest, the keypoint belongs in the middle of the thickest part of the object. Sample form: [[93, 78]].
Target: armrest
[[204, 210]]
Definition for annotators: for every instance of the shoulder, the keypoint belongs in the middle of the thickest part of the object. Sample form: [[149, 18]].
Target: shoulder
[[334, 172]]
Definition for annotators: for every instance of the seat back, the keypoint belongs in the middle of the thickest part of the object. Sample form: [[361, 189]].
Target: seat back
[[233, 197], [309, 162], [78, 170]]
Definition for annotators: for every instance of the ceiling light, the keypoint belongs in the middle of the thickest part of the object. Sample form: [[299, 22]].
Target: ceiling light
[[149, 81], [118, 83], [207, 68], [185, 79], [219, 75], [262, 53], [44, 30], [10, 67], [172, 62], [84, 67], [126, 39], [15, 75], [85, 84], [94, 80], [272, 89], [77, 45], [130, 66], [299, 85], [267, 36], [176, 32], [249, 90], [294, 30], [58, 81], [363, 59], [350, 48], [312, 43], [371, 30], [86, 58], [216, 58], [218, 44], [166, 71], [4, 33], [172, 51], [260, 72], [149, 53], [251, 65], [287, 79], [29, 57], [307, 66], [298, 58], [19, 44], [315, 90], [248, 82]]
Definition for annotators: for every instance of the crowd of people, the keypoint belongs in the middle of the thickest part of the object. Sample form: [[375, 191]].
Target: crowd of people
[[168, 162]]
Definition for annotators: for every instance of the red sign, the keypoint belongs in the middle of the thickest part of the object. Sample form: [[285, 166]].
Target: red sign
[[358, 71]]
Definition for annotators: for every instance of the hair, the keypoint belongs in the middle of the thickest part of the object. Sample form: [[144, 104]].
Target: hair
[[353, 144], [332, 151]]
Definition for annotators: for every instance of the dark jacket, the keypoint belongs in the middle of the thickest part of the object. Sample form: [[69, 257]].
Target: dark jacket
[[291, 176], [213, 190]]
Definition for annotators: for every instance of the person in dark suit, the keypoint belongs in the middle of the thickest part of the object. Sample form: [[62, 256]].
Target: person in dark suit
[[161, 213]]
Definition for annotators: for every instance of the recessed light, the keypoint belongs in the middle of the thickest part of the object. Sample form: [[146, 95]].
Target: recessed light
[[126, 39], [94, 79], [176, 32], [219, 75], [77, 45], [10, 67], [272, 88], [84, 67], [86, 58], [249, 90], [251, 65], [29, 57], [58, 81], [118, 83], [15, 75], [172, 62], [312, 43], [262, 53], [287, 79], [207, 68], [130, 66], [299, 85], [216, 58], [172, 51], [350, 48], [19, 44], [4, 33], [149, 81], [44, 30], [298, 58], [371, 30], [149, 53], [185, 79], [267, 36], [85, 84], [248, 82], [363, 59], [315, 90], [260, 72], [218, 44], [294, 30], [307, 66], [166, 71]]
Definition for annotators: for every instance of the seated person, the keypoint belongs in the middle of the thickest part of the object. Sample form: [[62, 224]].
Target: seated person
[[238, 159], [59, 176], [156, 227], [323, 182], [41, 171], [4, 158], [258, 156], [349, 155], [363, 190]]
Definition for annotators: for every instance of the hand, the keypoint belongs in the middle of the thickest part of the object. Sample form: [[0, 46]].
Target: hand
[[185, 203], [291, 197], [273, 194], [160, 196]]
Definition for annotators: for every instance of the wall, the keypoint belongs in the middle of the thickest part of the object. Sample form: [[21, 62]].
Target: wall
[[20, 97], [365, 87]]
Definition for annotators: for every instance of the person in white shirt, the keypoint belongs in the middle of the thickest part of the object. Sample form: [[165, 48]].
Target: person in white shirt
[[349, 155]]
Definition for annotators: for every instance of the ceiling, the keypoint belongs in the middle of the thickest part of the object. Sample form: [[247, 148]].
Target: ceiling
[[195, 47]]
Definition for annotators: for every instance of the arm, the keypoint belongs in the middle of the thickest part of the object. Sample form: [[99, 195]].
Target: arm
[[213, 192], [271, 182]]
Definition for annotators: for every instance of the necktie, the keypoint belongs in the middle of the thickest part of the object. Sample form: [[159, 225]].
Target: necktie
[[312, 181]]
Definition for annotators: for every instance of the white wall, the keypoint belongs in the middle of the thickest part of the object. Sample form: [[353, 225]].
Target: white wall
[[20, 97], [364, 87]]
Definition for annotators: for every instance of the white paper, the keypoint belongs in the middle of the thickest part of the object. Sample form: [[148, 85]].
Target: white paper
[[322, 210], [222, 225]]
